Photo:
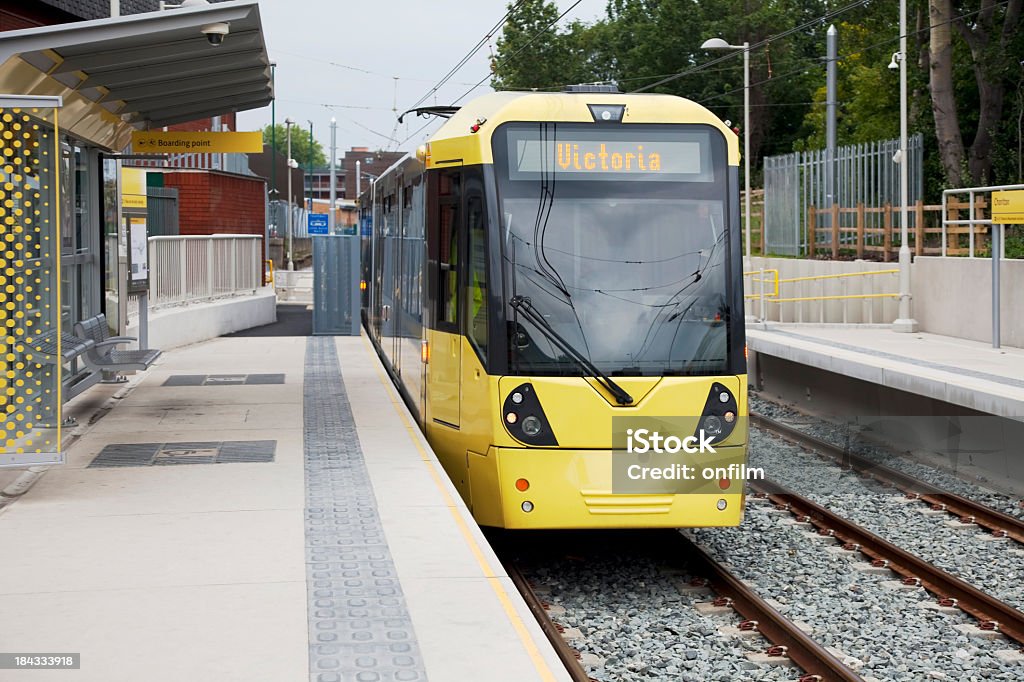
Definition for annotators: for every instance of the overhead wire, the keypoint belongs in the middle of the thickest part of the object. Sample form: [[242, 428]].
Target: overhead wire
[[523, 47], [500, 62], [469, 55]]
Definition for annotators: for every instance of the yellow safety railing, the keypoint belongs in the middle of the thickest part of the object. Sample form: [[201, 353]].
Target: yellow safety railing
[[766, 297], [774, 281], [270, 271]]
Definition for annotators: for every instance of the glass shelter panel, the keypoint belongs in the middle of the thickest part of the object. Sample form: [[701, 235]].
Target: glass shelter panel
[[30, 347]]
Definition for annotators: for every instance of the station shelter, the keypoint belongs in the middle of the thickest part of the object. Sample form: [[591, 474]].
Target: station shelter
[[70, 97]]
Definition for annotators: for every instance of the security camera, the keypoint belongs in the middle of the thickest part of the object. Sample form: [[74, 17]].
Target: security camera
[[894, 63], [215, 32]]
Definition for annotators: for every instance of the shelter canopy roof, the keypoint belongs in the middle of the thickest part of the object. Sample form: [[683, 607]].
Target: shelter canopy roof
[[143, 70]]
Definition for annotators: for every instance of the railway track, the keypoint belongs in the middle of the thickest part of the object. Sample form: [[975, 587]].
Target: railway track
[[786, 637], [566, 654], [965, 509], [991, 613]]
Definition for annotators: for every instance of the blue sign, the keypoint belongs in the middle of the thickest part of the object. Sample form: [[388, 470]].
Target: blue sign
[[316, 223]]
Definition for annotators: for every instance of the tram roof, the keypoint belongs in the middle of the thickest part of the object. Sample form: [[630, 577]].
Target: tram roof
[[501, 107], [143, 70]]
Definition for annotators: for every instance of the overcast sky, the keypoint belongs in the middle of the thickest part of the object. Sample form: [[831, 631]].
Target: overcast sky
[[340, 58]]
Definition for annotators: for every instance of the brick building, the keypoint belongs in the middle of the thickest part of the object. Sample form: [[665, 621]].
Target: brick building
[[371, 163]]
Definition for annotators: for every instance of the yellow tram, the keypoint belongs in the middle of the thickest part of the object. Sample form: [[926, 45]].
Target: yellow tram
[[549, 267]]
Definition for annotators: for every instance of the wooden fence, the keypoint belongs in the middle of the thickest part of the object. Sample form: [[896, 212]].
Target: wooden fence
[[859, 240]]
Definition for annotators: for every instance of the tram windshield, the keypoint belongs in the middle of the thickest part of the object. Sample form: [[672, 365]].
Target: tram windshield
[[618, 237]]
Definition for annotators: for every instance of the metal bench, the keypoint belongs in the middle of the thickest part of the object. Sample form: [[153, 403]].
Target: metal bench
[[102, 355], [71, 347]]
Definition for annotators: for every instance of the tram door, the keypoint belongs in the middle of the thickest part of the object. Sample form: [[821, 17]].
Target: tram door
[[398, 324], [445, 370]]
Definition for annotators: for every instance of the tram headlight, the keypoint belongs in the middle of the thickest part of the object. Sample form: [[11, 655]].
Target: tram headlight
[[720, 415], [524, 418], [531, 426], [712, 425]]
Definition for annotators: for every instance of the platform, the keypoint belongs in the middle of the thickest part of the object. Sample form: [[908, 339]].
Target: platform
[[957, 371], [255, 509]]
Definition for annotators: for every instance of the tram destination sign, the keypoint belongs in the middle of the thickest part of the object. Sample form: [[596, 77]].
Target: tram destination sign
[[1008, 207], [612, 156]]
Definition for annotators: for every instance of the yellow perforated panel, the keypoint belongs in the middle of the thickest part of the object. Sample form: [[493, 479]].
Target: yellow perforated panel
[[30, 359]]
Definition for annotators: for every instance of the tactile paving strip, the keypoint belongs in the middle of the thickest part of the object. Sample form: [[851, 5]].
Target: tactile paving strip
[[359, 626], [164, 454]]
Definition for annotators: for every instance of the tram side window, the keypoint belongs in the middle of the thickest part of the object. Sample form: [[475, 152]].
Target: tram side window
[[449, 262], [476, 296]]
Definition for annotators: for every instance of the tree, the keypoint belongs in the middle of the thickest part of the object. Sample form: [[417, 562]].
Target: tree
[[533, 53], [300, 145], [994, 65]]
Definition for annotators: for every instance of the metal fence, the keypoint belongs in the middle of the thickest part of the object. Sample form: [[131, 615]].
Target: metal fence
[[865, 175], [189, 269], [277, 220], [336, 285]]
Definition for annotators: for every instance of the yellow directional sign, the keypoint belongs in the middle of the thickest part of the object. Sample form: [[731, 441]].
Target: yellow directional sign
[[1008, 207], [133, 188], [159, 142]]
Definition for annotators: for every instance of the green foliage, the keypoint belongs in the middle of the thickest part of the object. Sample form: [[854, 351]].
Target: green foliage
[[532, 56], [300, 145], [638, 42]]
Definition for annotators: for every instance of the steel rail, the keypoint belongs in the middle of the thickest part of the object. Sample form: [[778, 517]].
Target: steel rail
[[813, 658], [566, 653], [967, 509], [992, 613]]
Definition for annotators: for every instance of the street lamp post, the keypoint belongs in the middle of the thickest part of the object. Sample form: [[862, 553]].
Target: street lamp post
[[273, 134], [288, 123], [334, 176], [719, 44], [904, 322], [309, 163]]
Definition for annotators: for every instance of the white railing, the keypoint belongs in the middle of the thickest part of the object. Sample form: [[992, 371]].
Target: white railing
[[189, 269]]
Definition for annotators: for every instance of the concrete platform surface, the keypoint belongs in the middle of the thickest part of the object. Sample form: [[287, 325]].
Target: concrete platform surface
[[180, 560], [961, 372]]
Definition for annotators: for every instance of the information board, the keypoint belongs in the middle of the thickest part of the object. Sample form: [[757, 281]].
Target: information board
[[317, 223]]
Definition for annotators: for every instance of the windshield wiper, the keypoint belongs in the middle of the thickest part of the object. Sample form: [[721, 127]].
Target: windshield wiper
[[523, 305]]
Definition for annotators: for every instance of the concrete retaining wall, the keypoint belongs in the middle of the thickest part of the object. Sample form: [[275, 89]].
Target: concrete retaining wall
[[953, 296], [180, 326]]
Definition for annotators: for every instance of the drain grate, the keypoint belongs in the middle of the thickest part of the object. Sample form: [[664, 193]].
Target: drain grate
[[166, 454], [223, 379]]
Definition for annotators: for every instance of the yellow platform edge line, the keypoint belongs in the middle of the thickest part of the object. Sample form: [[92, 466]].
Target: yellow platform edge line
[[492, 579]]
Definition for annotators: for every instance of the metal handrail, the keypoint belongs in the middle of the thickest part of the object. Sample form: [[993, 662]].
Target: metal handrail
[[998, 241], [842, 274], [773, 297]]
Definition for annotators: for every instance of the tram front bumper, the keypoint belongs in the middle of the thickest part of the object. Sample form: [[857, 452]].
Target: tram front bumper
[[575, 489]]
